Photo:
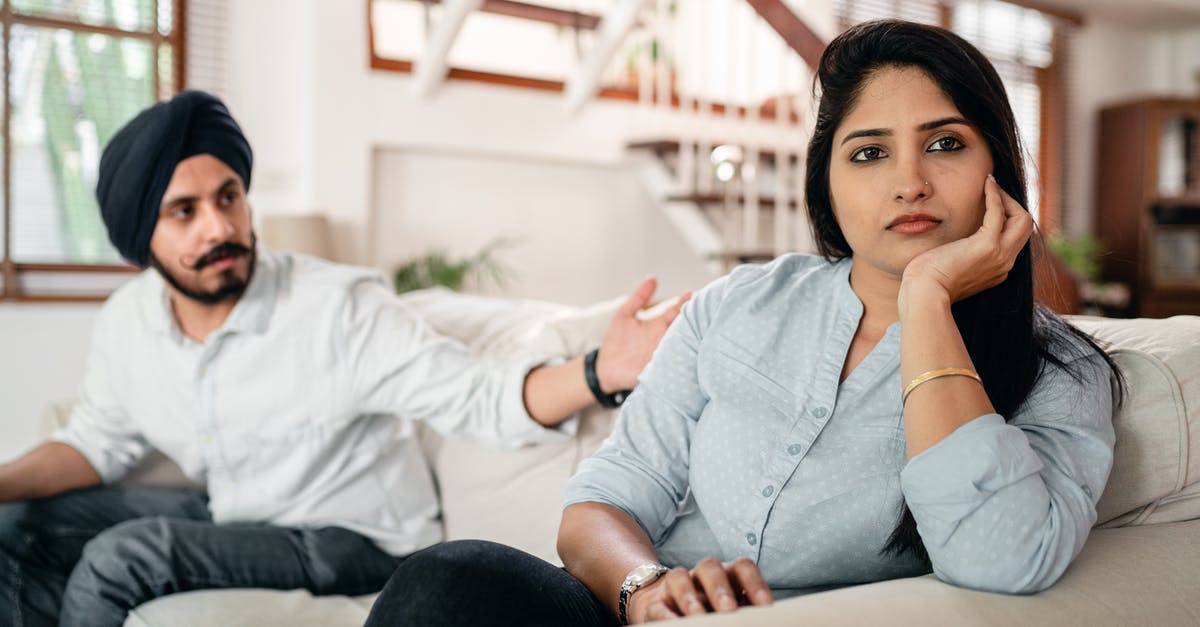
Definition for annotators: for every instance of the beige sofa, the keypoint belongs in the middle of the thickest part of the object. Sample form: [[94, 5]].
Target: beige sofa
[[1141, 566]]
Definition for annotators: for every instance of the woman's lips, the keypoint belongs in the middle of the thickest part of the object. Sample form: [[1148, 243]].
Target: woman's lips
[[914, 224]]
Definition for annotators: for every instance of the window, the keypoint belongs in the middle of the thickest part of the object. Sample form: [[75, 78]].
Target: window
[[74, 72], [1024, 45]]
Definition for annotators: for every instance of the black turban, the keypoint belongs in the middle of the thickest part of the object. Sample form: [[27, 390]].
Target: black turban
[[138, 164]]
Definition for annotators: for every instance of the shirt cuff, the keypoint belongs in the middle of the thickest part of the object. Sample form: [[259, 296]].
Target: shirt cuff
[[110, 470], [951, 479], [519, 427]]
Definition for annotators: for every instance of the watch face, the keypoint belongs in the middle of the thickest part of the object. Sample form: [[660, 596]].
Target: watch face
[[644, 574]]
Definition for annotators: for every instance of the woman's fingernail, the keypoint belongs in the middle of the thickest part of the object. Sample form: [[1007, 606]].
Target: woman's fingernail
[[991, 178]]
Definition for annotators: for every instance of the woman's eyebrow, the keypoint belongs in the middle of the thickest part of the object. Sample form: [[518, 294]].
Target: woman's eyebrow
[[928, 126], [883, 132]]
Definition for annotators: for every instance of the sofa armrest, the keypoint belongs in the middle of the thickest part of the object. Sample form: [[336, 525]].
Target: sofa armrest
[[1145, 575]]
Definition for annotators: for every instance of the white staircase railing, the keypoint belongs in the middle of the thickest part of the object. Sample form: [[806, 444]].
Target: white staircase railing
[[735, 102]]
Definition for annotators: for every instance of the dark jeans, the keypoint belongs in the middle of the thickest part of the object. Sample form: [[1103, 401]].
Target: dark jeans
[[99, 553], [483, 584]]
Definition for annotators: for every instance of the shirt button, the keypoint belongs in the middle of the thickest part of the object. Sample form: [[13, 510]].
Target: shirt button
[[795, 449], [751, 539], [768, 491], [820, 412]]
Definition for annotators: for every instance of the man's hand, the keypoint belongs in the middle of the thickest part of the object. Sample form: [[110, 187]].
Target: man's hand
[[629, 341], [975, 263], [709, 587]]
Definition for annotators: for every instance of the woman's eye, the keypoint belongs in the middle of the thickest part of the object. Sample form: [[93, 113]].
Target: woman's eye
[[946, 144], [870, 153]]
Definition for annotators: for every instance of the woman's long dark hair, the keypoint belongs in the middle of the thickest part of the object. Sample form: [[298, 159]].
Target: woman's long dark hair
[[1008, 336]]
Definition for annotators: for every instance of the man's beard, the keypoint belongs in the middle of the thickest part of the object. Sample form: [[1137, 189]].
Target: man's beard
[[231, 286]]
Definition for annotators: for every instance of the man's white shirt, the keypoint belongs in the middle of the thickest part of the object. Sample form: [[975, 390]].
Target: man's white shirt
[[299, 410]]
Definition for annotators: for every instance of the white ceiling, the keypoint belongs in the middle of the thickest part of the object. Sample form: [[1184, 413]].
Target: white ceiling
[[1144, 13]]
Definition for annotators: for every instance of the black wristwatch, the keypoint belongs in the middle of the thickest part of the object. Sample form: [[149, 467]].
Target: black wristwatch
[[593, 382]]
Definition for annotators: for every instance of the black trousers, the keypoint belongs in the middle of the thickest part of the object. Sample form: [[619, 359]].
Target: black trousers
[[479, 584]]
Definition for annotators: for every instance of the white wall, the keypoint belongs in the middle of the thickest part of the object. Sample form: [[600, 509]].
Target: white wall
[[45, 347], [580, 232]]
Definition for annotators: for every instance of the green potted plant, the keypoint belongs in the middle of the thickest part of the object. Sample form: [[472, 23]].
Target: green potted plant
[[436, 268]]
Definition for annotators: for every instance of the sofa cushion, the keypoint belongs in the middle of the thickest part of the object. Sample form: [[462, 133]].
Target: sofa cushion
[[1156, 465], [247, 607]]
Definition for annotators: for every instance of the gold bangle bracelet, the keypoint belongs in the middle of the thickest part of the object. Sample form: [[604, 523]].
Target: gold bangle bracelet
[[934, 374]]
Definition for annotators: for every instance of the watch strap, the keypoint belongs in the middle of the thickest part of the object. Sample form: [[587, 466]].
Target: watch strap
[[593, 382]]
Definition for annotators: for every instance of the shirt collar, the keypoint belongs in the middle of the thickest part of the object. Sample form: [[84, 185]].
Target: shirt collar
[[251, 314]]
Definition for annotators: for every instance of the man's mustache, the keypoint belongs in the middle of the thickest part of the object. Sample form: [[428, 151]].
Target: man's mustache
[[221, 251]]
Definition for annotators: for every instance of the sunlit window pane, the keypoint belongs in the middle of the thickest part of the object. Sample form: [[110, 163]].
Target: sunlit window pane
[[134, 15], [71, 92]]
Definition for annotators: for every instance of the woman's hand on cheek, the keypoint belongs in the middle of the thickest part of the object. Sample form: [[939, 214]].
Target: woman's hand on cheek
[[975, 263]]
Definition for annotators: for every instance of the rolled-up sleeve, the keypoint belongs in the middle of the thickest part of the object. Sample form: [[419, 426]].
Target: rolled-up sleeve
[[1005, 506], [401, 366], [99, 426], [642, 468]]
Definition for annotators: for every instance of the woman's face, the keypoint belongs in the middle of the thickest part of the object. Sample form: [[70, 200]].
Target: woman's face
[[906, 172]]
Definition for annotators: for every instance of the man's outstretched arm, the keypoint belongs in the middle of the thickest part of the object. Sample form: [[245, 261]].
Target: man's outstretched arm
[[555, 393]]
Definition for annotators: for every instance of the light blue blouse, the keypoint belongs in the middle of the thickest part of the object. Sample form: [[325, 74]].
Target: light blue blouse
[[740, 441]]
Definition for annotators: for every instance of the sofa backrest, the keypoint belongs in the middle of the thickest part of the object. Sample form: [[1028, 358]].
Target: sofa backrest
[[1156, 460], [512, 496]]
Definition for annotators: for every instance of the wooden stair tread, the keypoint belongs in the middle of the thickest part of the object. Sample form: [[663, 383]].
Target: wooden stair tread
[[538, 13], [667, 146], [714, 198]]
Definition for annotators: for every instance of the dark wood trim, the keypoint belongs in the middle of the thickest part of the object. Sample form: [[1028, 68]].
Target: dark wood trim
[[1071, 17], [156, 74], [43, 299], [179, 39], [792, 29], [76, 267], [664, 147], [765, 203], [372, 58], [539, 13], [506, 79], [1052, 114], [56, 23], [6, 265]]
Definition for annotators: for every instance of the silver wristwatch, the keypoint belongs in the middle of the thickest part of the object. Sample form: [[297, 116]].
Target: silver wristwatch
[[637, 579]]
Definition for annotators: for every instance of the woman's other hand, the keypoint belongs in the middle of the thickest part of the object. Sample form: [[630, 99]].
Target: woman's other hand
[[975, 263], [711, 586]]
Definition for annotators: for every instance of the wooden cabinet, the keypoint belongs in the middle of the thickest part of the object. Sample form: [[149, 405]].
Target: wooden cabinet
[[1148, 203]]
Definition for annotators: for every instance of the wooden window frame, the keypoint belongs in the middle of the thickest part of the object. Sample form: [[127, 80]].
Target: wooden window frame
[[12, 270]]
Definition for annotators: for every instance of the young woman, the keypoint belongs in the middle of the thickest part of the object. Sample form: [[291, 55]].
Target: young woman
[[897, 405]]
